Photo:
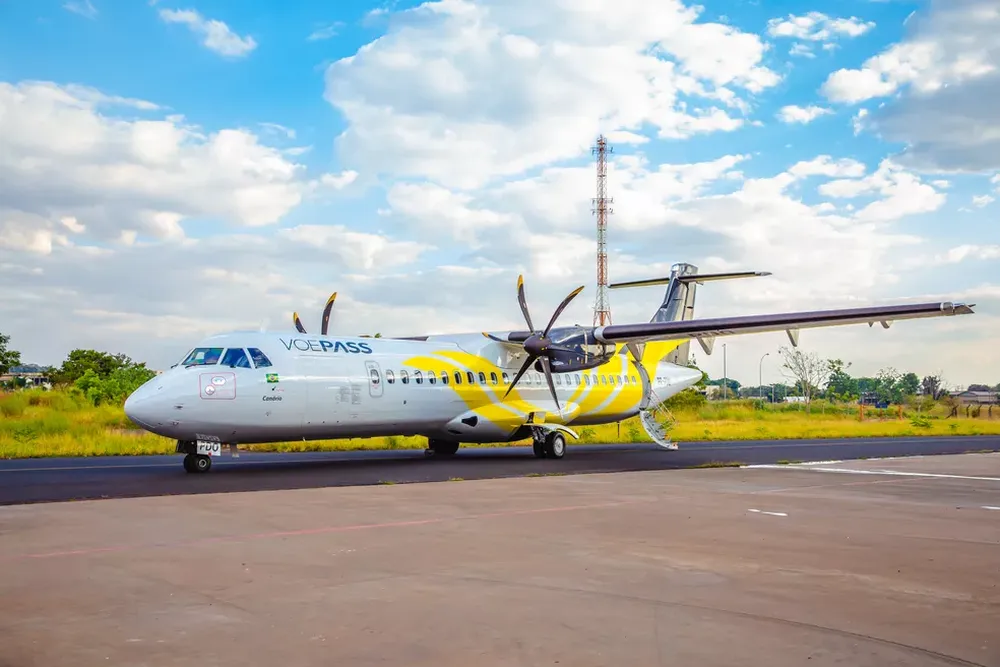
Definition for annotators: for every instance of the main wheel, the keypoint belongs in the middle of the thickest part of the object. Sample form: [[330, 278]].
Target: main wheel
[[442, 447], [555, 445], [197, 463], [538, 447]]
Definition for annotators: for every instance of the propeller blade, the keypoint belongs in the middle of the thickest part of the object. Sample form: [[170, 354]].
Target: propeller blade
[[326, 313], [552, 385], [562, 307], [298, 323], [497, 339], [522, 303], [527, 364]]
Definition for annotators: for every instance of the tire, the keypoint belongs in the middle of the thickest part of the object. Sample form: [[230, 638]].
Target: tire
[[443, 447], [539, 449], [555, 445], [197, 463]]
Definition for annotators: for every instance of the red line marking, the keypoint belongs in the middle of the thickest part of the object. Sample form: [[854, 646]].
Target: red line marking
[[314, 531]]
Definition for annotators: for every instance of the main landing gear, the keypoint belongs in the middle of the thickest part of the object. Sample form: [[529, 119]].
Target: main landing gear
[[440, 448], [551, 445]]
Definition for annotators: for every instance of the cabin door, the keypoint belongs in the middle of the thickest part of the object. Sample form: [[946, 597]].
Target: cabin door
[[375, 379]]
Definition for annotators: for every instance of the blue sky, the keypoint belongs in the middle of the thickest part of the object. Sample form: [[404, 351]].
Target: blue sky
[[417, 157]]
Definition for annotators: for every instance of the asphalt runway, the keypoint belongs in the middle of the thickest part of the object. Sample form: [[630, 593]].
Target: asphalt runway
[[63, 479], [878, 563]]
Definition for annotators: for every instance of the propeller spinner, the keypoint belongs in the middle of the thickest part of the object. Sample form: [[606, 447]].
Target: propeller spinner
[[538, 345], [325, 326]]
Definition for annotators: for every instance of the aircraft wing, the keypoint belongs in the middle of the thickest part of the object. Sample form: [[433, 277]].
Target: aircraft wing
[[707, 329]]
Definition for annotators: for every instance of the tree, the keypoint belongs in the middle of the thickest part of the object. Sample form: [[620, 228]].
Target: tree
[[839, 384], [115, 387], [807, 369], [8, 357], [78, 362], [909, 384], [932, 386]]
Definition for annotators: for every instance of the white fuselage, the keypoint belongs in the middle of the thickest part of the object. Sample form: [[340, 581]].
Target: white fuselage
[[274, 387]]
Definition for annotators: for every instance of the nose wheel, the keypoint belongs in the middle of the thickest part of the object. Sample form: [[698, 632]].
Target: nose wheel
[[197, 463]]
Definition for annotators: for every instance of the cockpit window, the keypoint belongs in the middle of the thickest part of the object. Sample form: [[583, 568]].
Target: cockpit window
[[203, 356], [236, 358], [260, 359]]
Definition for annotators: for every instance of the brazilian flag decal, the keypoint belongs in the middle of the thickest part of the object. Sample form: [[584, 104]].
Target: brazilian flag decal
[[272, 377]]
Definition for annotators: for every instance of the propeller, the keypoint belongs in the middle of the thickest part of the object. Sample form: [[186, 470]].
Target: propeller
[[326, 317], [538, 345]]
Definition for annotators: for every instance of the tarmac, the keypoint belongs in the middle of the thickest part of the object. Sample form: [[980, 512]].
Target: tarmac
[[879, 562], [59, 479]]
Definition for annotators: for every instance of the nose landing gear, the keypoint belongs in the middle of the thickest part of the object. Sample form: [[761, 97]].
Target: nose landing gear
[[197, 463]]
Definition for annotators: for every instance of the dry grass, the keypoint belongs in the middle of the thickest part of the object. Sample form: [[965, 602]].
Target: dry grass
[[44, 424]]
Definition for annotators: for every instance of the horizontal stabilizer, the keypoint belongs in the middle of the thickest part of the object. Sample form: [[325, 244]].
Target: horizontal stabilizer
[[691, 278]]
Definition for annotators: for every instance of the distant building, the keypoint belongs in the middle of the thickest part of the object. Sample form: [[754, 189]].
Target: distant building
[[32, 374], [978, 397]]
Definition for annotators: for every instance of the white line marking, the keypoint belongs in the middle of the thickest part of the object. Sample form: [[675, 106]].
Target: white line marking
[[990, 507], [770, 513], [900, 473]]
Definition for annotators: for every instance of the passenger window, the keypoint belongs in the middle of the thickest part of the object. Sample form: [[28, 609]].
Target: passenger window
[[389, 377], [404, 377], [506, 379], [586, 379], [493, 378], [418, 377], [203, 356], [604, 379], [558, 379], [472, 378], [431, 378], [458, 378], [236, 358], [444, 377], [577, 376], [482, 377], [374, 374], [260, 359]]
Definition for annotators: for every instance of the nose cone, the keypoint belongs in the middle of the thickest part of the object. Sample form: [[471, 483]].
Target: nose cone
[[142, 407]]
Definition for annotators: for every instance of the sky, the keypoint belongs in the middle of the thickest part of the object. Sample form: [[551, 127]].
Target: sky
[[172, 169]]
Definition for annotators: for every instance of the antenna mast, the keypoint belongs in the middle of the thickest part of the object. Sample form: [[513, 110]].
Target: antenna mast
[[602, 308]]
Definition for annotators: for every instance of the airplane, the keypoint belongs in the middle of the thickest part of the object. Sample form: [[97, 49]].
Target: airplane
[[252, 387]]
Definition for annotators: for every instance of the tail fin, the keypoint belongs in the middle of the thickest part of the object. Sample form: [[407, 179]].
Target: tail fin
[[678, 300]]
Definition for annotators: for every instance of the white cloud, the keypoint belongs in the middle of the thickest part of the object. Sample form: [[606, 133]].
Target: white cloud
[[980, 201], [215, 34], [968, 251], [795, 114], [954, 42], [325, 32], [82, 7], [461, 93], [279, 129], [816, 27], [62, 158], [799, 49], [945, 79], [903, 193]]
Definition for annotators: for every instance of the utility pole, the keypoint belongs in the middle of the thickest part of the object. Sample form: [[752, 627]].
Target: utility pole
[[725, 374], [760, 377], [602, 307]]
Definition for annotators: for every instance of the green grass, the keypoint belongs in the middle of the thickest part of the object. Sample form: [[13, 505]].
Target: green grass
[[37, 423]]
